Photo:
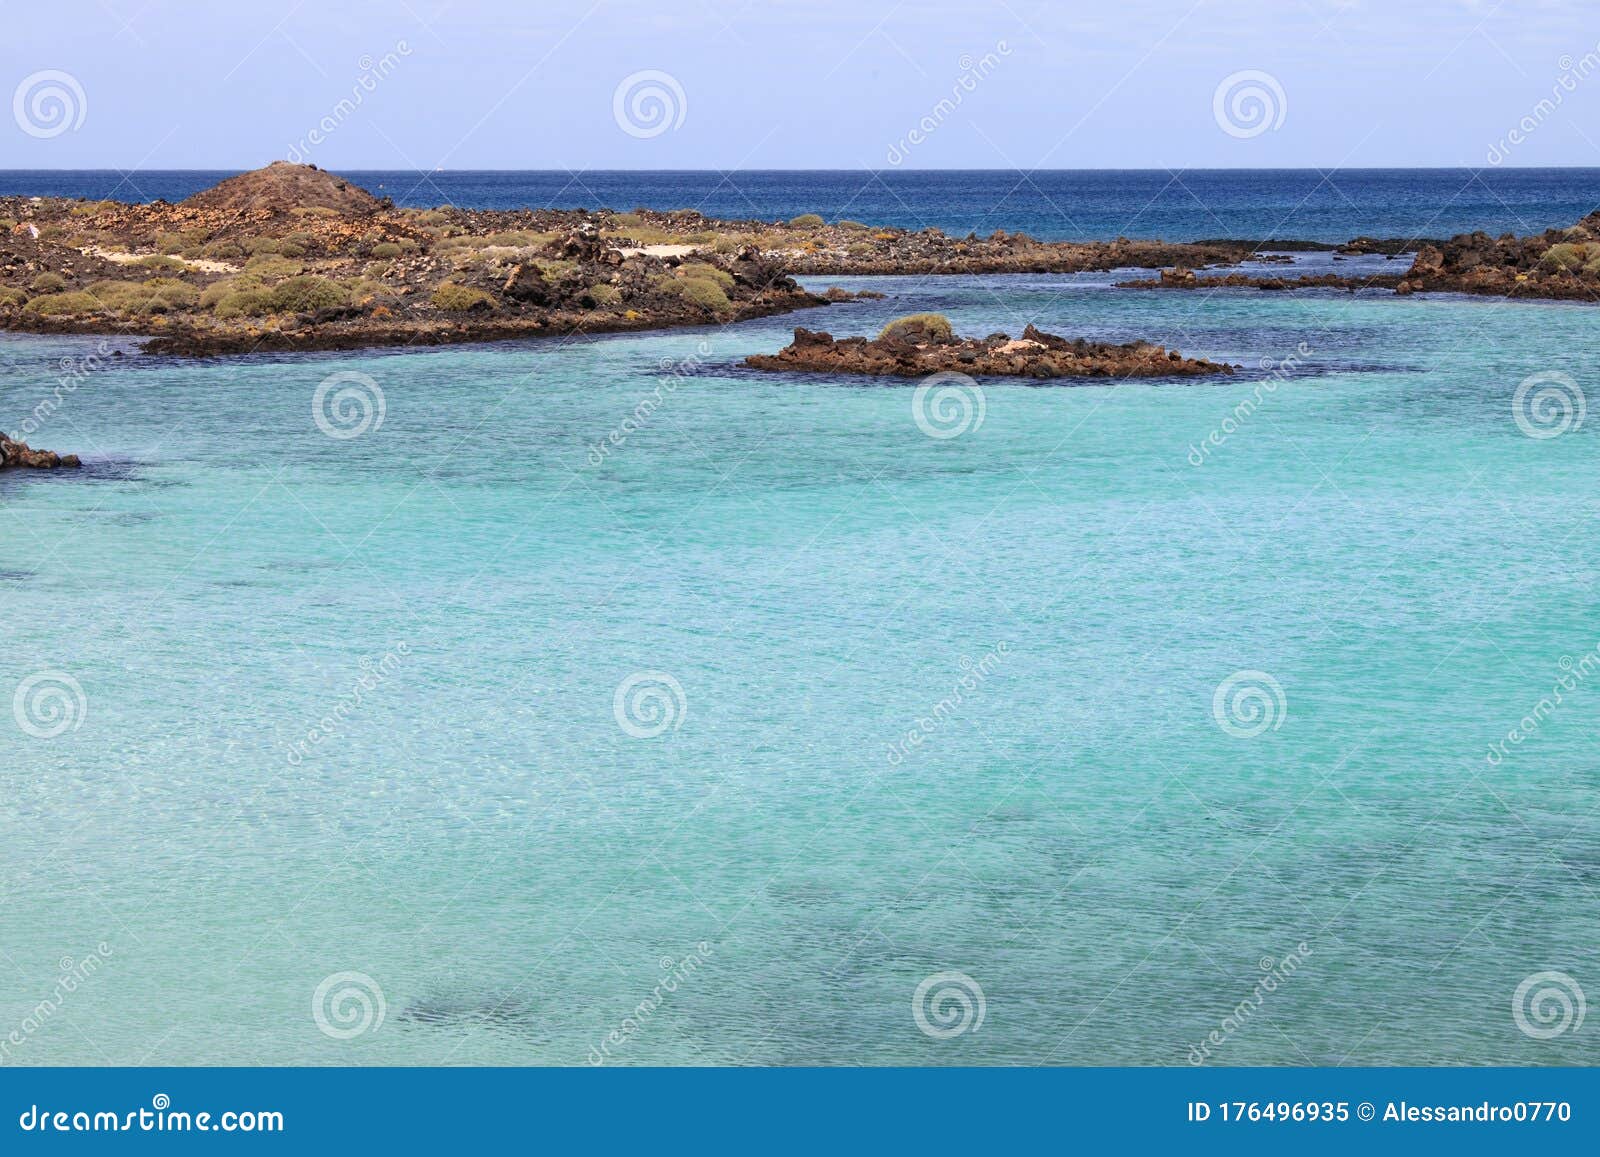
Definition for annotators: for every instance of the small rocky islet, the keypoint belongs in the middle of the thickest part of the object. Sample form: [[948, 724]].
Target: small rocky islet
[[925, 344], [15, 455]]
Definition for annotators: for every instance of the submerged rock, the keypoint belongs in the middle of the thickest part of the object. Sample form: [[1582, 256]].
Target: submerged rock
[[913, 348]]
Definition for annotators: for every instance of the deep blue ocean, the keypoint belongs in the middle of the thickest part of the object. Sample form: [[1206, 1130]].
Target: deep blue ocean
[[1177, 205]]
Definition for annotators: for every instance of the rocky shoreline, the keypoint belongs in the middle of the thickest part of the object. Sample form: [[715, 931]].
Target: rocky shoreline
[[1181, 277], [291, 257], [924, 344]]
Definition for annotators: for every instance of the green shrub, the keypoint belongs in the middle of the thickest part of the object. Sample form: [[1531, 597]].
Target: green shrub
[[223, 251], [1563, 256], [386, 250], [57, 304], [244, 303], [936, 324], [272, 267], [217, 290], [701, 290], [604, 294], [846, 223], [48, 283], [706, 272], [459, 298], [10, 296], [157, 295], [291, 249], [303, 294], [806, 221], [161, 262]]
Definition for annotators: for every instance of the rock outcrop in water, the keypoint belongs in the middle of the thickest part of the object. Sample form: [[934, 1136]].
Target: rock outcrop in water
[[919, 349], [19, 455], [1562, 264]]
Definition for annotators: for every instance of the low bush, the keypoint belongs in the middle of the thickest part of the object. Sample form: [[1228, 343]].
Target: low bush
[[701, 290], [271, 267], [386, 250], [58, 304], [806, 221], [304, 294], [244, 303], [706, 272], [459, 298], [1563, 256], [10, 296], [48, 283], [936, 324], [602, 295], [156, 295]]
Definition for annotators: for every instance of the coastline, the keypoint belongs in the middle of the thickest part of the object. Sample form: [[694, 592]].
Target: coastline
[[293, 258]]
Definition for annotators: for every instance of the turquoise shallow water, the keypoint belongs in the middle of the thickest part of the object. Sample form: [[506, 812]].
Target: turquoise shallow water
[[1078, 835]]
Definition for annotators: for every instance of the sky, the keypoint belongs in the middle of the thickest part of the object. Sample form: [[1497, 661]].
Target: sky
[[849, 84]]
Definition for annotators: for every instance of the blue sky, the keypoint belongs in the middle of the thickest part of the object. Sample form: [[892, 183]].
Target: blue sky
[[820, 84]]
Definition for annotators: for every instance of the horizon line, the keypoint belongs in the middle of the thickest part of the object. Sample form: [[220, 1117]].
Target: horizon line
[[892, 169]]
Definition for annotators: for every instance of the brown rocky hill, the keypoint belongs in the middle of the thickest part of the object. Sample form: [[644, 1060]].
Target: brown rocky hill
[[282, 186]]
